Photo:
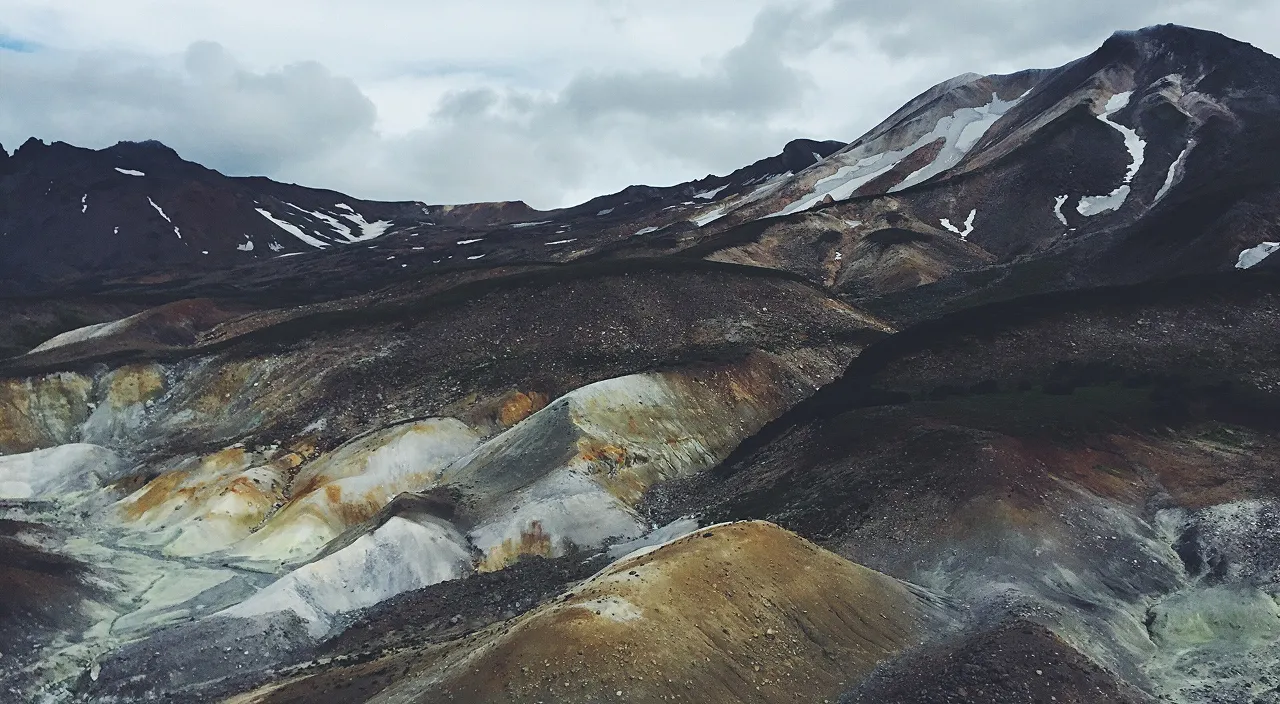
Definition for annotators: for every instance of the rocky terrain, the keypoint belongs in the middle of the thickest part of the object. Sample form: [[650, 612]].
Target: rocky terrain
[[982, 406]]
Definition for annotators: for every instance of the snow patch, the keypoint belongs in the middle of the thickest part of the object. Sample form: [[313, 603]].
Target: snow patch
[[343, 231], [1253, 255], [707, 217], [529, 224], [1092, 205], [166, 217], [561, 241], [478, 239], [606, 211], [247, 246], [292, 229], [712, 193], [968, 225], [84, 204], [962, 130], [159, 210], [275, 246], [1058, 202], [129, 172], [478, 256], [1176, 170], [647, 230], [368, 230]]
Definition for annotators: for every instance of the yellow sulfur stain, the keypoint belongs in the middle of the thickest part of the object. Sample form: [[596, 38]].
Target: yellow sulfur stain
[[533, 541], [42, 411], [134, 384]]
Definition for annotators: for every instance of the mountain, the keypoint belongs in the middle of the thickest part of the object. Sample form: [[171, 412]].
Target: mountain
[[980, 406], [80, 218], [1139, 161]]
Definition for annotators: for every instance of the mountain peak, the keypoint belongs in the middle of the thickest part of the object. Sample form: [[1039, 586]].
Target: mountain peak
[[151, 150], [146, 144], [33, 144], [1175, 40]]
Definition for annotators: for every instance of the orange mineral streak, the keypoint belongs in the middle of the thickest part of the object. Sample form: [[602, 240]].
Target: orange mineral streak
[[746, 612], [304, 448], [609, 455], [158, 492], [520, 405], [350, 513], [194, 483], [288, 461]]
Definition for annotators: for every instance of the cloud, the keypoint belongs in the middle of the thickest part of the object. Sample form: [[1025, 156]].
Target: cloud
[[1016, 28], [551, 104], [204, 104], [751, 79]]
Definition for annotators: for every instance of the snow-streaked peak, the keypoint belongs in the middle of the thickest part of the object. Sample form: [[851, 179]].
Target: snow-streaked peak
[[960, 131]]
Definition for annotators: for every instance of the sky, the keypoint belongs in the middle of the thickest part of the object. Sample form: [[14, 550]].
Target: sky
[[550, 102]]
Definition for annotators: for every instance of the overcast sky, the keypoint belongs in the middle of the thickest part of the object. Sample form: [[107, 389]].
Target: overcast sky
[[551, 102]]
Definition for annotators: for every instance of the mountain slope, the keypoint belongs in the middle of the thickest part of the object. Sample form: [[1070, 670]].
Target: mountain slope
[[1006, 366], [71, 216], [1143, 160]]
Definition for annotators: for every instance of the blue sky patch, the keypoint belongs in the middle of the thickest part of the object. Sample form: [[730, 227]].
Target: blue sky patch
[[10, 43]]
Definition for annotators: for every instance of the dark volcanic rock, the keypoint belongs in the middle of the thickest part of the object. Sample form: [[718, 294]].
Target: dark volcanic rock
[[1015, 663]]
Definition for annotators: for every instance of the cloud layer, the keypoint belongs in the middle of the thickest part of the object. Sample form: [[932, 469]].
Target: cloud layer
[[550, 103]]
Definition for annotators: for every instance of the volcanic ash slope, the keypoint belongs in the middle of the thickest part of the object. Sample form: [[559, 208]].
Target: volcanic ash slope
[[743, 612]]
